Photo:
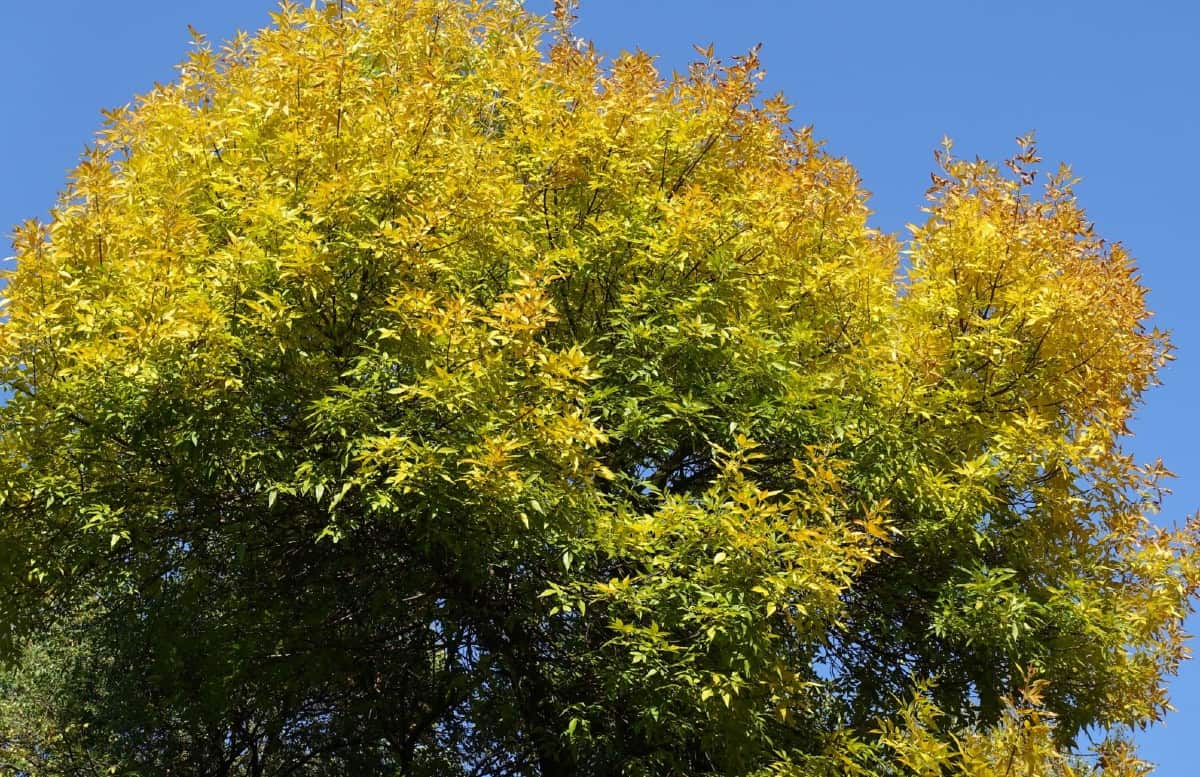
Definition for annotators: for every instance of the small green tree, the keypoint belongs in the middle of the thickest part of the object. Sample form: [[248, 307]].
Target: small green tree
[[390, 395]]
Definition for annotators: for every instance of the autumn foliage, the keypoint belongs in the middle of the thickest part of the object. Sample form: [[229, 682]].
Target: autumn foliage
[[407, 391]]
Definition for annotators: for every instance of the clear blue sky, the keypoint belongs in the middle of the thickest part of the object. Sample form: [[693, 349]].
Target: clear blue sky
[[1111, 89]]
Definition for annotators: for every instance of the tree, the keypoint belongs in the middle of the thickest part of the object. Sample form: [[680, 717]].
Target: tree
[[403, 391]]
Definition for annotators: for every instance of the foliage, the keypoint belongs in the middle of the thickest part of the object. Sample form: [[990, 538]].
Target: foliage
[[404, 391]]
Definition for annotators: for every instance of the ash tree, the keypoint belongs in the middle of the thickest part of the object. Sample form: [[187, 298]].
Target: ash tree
[[404, 390]]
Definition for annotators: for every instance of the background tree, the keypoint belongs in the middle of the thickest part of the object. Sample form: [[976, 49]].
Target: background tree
[[404, 392]]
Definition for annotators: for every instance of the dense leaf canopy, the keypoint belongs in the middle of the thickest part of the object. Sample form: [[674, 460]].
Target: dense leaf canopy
[[405, 391]]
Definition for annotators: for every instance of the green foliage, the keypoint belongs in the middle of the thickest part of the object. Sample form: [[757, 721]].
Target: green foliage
[[405, 392]]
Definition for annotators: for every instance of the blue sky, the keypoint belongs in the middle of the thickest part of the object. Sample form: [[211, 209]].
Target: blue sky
[[1112, 90]]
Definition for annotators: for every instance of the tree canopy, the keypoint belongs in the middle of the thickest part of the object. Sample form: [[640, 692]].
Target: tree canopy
[[405, 390]]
